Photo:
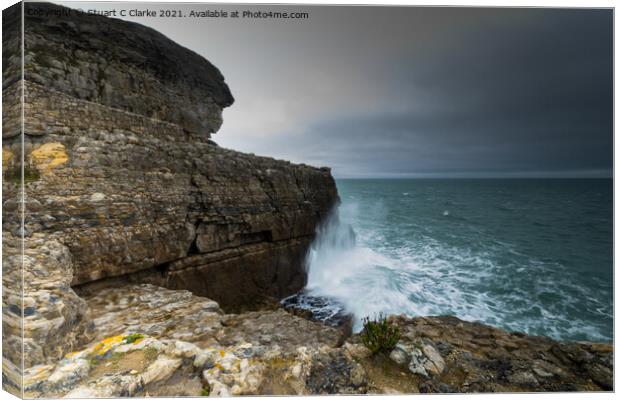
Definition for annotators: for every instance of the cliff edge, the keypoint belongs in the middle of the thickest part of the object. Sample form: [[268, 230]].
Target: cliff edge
[[123, 184]]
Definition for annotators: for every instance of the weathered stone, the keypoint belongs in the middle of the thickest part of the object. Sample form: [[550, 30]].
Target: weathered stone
[[122, 184], [269, 328], [420, 357], [233, 354], [274, 352], [153, 311], [55, 319], [333, 372], [455, 355], [122, 65], [161, 370]]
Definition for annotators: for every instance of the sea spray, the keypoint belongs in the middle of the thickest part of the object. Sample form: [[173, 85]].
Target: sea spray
[[384, 251], [348, 275], [333, 238], [526, 255]]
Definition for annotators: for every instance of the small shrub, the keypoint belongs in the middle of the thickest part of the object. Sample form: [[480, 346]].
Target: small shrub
[[378, 335], [206, 390], [133, 338]]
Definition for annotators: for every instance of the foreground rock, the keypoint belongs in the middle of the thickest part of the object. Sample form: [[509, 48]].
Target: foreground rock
[[154, 341], [450, 355], [157, 342], [47, 318]]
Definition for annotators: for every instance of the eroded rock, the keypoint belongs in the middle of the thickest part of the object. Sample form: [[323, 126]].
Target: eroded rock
[[274, 352], [55, 319], [449, 355], [191, 345], [123, 184]]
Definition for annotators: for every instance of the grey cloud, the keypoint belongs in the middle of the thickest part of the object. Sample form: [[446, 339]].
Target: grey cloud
[[533, 95]]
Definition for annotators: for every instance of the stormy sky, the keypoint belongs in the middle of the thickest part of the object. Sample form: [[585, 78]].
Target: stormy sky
[[413, 92]]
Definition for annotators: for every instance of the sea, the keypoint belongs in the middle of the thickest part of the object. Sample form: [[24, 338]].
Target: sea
[[526, 255]]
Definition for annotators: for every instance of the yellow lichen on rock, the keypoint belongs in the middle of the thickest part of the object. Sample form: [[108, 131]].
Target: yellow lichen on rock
[[106, 344], [7, 157], [49, 156]]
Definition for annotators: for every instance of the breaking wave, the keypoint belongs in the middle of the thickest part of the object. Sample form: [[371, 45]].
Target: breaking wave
[[396, 267]]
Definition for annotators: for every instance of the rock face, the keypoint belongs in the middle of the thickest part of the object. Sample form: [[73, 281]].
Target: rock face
[[158, 342], [123, 184], [122, 65]]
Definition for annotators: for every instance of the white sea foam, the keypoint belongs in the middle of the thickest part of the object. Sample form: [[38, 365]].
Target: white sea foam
[[368, 276]]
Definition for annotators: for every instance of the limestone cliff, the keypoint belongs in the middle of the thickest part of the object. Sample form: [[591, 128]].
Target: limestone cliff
[[119, 64], [122, 182]]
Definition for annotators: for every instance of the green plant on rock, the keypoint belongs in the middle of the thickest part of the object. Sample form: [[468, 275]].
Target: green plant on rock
[[133, 338], [379, 335], [206, 390]]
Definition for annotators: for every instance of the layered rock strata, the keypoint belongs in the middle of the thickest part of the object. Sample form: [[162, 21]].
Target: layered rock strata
[[121, 182], [119, 64]]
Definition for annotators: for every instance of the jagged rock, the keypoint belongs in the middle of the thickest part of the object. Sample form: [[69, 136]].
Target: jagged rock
[[309, 306], [334, 372], [171, 314], [274, 352], [421, 357], [179, 315], [277, 328], [454, 355], [230, 354], [55, 319]]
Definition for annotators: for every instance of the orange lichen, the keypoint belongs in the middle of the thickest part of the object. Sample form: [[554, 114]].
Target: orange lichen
[[106, 344], [49, 156], [7, 156]]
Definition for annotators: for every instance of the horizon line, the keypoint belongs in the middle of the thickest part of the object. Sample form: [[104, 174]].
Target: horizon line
[[473, 177]]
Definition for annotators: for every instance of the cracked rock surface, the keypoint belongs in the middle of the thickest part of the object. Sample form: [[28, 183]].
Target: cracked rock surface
[[159, 342]]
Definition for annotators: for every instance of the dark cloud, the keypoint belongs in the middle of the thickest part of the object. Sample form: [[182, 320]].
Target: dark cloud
[[530, 95], [390, 91]]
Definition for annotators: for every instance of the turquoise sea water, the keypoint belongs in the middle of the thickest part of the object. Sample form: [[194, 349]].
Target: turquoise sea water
[[527, 255]]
